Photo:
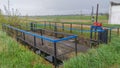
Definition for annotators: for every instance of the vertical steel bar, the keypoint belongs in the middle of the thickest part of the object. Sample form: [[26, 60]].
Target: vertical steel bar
[[96, 19], [55, 29], [62, 26], [92, 14], [45, 25], [8, 31], [34, 27], [41, 32], [34, 41], [49, 25], [81, 29], [76, 46], [55, 55], [16, 35], [11, 33], [31, 26], [107, 31], [110, 35], [91, 34], [23, 35], [95, 34], [97, 13], [71, 28]]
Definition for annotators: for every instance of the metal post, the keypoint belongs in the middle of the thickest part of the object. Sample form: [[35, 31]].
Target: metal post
[[81, 28], [55, 55], [91, 34], [97, 13], [96, 18], [55, 29], [11, 31], [106, 40], [92, 15], [34, 41], [110, 36], [62, 26], [99, 37], [23, 35], [31, 26], [16, 35], [8, 31], [71, 28], [76, 46], [41, 35], [49, 26], [95, 33], [34, 27], [45, 25]]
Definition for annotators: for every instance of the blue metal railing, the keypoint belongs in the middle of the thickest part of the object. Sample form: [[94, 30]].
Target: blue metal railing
[[66, 28], [42, 37]]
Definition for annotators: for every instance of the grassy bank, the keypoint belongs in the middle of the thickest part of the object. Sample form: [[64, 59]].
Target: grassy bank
[[106, 56], [14, 55]]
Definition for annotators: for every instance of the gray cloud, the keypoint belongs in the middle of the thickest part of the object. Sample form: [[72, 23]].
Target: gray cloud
[[52, 7]]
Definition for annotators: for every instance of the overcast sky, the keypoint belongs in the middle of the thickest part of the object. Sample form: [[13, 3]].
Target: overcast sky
[[55, 7]]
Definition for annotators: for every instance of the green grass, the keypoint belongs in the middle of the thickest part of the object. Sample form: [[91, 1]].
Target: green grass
[[14, 55], [58, 18], [69, 18], [75, 17], [106, 56]]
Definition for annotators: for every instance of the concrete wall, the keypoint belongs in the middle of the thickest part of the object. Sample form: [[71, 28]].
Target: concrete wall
[[114, 14]]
